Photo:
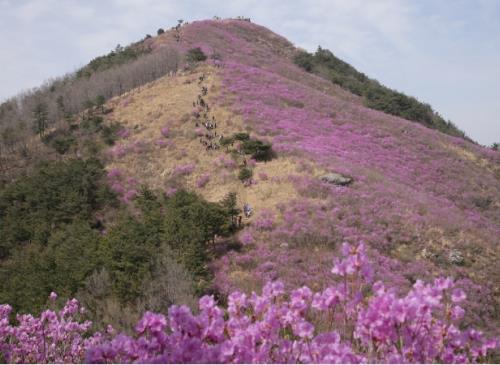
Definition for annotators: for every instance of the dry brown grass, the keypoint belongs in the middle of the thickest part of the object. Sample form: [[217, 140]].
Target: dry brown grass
[[168, 101], [470, 156]]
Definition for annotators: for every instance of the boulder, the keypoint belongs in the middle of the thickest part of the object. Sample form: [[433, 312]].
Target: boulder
[[336, 179], [455, 257]]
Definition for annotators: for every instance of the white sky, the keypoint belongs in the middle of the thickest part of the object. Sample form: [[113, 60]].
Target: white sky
[[445, 53]]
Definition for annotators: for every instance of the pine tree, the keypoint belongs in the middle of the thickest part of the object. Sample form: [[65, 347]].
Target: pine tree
[[41, 118]]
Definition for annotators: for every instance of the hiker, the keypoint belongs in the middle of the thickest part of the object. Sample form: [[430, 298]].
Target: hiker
[[247, 210]]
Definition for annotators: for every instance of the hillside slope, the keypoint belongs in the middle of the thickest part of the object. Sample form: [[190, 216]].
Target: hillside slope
[[424, 202]]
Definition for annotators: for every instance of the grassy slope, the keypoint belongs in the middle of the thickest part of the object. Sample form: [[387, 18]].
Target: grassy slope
[[418, 194]]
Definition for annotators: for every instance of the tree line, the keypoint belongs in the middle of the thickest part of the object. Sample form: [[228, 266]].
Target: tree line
[[38, 110], [375, 95]]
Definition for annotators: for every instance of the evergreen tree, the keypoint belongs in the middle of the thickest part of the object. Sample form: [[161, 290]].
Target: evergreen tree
[[41, 119], [99, 102]]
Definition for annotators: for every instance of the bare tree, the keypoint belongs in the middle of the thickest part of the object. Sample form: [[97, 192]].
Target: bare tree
[[59, 98]]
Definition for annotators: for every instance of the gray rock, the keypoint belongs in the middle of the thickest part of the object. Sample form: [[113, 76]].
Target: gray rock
[[336, 179], [455, 257]]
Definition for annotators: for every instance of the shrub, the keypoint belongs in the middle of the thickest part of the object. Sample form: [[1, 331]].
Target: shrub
[[246, 237], [202, 180], [260, 151], [183, 170], [226, 162], [169, 192], [114, 173], [195, 55], [241, 136], [63, 144], [100, 100], [245, 174], [304, 60], [226, 141], [109, 133], [265, 220], [92, 124], [165, 131], [160, 31], [161, 143], [60, 140], [123, 133]]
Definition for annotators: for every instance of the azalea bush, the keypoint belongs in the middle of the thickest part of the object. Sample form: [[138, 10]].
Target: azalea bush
[[203, 180], [352, 321], [183, 170], [53, 337]]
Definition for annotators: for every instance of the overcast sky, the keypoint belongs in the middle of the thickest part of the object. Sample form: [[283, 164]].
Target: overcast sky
[[446, 53]]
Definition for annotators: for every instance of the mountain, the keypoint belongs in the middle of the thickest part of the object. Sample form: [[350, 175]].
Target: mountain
[[425, 201], [221, 106]]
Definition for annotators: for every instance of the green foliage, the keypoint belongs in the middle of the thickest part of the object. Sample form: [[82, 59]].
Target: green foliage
[[127, 250], [92, 123], [24, 278], [375, 95], [190, 224], [226, 141], [61, 140], [183, 224], [245, 174], [57, 193], [99, 102], [62, 265], [195, 55], [229, 203], [108, 133], [40, 121], [304, 60], [160, 31], [52, 240], [495, 146], [259, 150], [241, 136], [72, 255], [63, 144]]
